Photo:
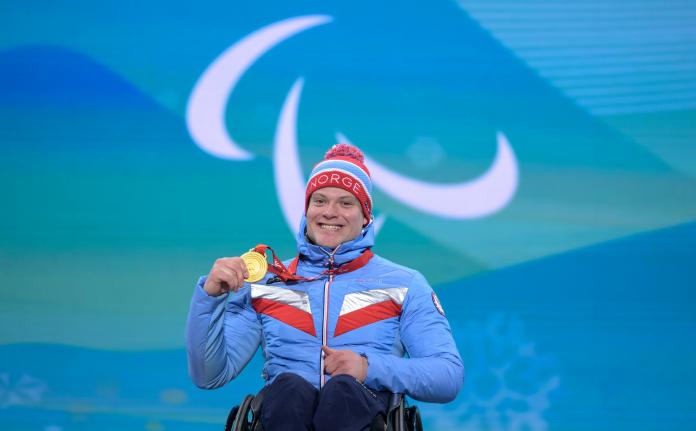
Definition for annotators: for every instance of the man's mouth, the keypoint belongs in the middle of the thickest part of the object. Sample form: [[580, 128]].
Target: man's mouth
[[330, 227]]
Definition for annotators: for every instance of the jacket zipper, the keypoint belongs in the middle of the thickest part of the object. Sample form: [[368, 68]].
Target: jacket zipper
[[325, 321]]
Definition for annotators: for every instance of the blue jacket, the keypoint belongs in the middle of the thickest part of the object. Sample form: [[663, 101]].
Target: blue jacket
[[384, 311]]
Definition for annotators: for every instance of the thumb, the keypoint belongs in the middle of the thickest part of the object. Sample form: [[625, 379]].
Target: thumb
[[327, 350]]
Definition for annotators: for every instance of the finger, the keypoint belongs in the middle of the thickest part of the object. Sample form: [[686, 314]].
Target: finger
[[345, 362], [231, 277], [245, 270], [217, 276], [214, 286], [329, 367], [328, 370], [327, 350], [237, 263], [234, 264], [240, 278], [342, 369]]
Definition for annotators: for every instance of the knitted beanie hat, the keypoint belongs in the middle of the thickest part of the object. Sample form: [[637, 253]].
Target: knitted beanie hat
[[343, 167]]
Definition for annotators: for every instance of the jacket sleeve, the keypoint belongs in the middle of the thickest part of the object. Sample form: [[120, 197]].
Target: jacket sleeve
[[433, 370], [222, 334]]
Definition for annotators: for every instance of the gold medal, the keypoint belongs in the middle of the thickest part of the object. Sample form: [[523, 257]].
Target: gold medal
[[256, 265]]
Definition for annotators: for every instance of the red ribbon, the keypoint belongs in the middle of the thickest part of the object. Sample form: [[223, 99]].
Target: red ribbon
[[289, 273]]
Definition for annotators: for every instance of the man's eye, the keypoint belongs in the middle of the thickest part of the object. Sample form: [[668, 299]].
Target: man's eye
[[348, 204]]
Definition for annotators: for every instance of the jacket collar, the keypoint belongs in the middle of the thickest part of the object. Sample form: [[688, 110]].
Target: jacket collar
[[345, 252]]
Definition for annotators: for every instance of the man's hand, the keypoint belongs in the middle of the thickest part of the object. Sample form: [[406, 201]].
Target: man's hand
[[344, 362], [227, 274]]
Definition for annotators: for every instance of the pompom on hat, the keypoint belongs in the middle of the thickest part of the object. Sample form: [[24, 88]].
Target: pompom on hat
[[343, 167]]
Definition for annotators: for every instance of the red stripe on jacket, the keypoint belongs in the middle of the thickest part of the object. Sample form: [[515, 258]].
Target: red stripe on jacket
[[366, 315], [292, 316]]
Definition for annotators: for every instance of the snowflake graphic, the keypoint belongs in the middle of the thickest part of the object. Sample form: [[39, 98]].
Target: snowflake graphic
[[25, 390], [507, 383]]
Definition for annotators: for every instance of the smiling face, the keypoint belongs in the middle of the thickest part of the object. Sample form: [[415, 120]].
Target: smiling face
[[333, 217]]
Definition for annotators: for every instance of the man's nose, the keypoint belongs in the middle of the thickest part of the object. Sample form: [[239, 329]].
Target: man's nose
[[330, 210]]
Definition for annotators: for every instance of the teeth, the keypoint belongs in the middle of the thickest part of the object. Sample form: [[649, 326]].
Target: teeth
[[332, 227]]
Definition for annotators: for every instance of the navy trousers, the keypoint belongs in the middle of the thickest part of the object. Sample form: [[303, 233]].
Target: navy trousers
[[291, 403]]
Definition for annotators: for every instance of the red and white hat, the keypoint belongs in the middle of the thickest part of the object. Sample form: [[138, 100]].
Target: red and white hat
[[343, 167]]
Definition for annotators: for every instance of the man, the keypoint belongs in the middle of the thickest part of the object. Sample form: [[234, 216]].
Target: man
[[335, 325]]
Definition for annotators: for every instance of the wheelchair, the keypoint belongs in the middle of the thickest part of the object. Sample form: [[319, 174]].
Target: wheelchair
[[399, 417]]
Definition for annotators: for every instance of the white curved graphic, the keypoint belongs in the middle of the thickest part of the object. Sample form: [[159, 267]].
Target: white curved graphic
[[287, 171], [379, 221], [476, 198], [205, 113], [480, 197]]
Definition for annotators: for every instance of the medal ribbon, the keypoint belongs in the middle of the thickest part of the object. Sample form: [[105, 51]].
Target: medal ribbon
[[289, 273]]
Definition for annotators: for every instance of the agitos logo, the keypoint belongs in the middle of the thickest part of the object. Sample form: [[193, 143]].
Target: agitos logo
[[480, 197]]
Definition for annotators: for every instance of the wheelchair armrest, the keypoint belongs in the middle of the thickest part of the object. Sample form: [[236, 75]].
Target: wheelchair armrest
[[401, 417], [394, 401]]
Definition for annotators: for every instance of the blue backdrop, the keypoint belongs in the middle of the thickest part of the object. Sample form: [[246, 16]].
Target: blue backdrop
[[535, 160]]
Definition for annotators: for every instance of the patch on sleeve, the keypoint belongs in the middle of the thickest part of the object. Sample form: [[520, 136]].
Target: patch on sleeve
[[438, 306]]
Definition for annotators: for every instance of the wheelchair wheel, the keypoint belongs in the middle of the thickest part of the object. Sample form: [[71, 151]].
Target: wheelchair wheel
[[230, 418], [241, 420]]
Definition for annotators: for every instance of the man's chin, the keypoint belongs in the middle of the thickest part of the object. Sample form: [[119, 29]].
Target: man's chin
[[321, 241], [326, 244], [330, 242]]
